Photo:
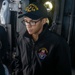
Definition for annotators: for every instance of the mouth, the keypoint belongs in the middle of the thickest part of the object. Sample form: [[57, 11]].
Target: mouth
[[29, 30]]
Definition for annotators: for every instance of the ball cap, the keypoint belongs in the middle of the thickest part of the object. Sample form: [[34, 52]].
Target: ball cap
[[35, 11]]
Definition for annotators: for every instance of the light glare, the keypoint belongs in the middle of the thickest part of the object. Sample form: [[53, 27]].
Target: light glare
[[48, 5]]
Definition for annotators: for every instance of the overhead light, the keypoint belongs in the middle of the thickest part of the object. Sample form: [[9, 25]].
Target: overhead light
[[48, 5]]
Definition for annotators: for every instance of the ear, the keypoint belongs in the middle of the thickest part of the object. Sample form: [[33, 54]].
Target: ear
[[44, 20]]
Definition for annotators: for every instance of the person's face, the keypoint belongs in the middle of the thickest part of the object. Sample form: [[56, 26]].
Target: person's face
[[34, 26]]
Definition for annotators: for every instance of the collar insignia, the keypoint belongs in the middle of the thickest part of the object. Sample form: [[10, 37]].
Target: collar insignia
[[31, 7], [42, 53]]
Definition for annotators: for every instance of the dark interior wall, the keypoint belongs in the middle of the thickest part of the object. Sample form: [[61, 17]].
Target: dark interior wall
[[68, 27], [72, 45]]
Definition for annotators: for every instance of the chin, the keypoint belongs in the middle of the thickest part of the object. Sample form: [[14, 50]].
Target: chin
[[30, 33]]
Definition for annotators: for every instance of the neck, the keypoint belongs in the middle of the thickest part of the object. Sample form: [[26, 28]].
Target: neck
[[35, 37]]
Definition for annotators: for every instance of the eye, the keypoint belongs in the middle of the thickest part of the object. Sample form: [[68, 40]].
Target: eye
[[25, 20], [32, 23]]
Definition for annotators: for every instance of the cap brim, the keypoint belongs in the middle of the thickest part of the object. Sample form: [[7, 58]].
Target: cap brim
[[20, 16], [30, 15]]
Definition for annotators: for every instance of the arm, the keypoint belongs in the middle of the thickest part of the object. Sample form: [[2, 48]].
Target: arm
[[18, 63], [64, 58], [4, 46]]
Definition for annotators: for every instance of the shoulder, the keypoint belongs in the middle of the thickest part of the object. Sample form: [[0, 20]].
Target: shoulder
[[22, 39], [54, 37]]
